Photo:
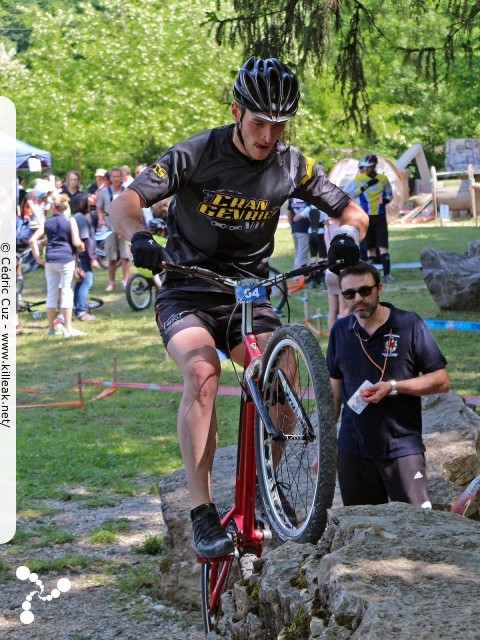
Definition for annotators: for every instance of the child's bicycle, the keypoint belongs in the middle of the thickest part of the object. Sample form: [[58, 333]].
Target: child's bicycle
[[286, 424]]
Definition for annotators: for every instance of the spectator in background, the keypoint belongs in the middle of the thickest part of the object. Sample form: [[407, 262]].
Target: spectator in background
[[86, 260], [127, 177], [298, 215], [92, 191], [336, 303], [37, 202], [373, 192], [115, 246], [72, 186], [21, 194], [140, 169], [316, 244], [62, 235]]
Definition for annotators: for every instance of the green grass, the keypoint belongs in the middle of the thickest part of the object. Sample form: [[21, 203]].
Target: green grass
[[153, 546], [122, 444]]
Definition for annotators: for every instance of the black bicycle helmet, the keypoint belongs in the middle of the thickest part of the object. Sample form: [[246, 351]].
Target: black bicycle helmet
[[267, 88], [370, 160]]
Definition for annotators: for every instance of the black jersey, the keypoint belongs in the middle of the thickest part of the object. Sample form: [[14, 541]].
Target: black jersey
[[226, 206]]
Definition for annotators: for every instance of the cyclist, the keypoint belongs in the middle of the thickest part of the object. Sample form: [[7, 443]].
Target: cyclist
[[228, 185], [373, 192]]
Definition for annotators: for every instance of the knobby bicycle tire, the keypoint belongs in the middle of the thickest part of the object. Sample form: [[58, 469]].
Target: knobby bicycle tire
[[279, 293], [218, 577], [296, 390], [139, 292]]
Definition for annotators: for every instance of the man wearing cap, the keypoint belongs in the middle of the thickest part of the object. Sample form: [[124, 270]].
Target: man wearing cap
[[228, 185], [39, 205], [373, 192]]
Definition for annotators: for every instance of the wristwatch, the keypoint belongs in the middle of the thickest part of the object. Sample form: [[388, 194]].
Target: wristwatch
[[394, 391]]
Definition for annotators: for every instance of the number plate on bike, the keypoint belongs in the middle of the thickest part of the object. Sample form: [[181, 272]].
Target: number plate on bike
[[246, 292]]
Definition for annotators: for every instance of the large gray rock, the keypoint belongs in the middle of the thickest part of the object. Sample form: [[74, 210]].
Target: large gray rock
[[379, 572], [452, 438], [453, 279]]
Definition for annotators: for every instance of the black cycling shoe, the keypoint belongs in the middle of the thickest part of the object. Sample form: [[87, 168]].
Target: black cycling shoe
[[209, 539]]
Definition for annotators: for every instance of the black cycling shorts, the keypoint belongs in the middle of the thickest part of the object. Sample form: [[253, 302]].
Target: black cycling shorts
[[377, 233], [375, 481], [181, 310]]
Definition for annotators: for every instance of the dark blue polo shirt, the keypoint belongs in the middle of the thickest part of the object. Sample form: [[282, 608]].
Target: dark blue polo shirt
[[393, 427]]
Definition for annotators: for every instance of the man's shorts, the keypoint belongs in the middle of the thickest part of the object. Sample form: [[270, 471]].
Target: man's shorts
[[377, 234], [116, 247], [181, 310], [375, 481]]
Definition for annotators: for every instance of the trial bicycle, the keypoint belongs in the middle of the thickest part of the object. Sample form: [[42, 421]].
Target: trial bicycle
[[286, 425]]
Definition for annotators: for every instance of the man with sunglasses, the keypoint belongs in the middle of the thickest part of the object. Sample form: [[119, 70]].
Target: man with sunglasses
[[381, 360]]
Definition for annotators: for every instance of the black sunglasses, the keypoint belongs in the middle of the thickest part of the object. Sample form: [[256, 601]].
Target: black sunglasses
[[365, 291]]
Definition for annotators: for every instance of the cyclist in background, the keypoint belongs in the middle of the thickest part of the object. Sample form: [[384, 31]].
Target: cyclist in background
[[228, 185], [373, 192]]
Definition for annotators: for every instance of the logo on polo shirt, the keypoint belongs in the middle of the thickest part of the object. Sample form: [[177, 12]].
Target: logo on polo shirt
[[391, 344]]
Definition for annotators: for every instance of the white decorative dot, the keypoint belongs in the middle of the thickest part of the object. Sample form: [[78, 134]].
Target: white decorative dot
[[26, 617], [55, 593], [63, 585], [22, 573], [39, 582], [29, 598], [48, 598], [33, 577], [26, 605]]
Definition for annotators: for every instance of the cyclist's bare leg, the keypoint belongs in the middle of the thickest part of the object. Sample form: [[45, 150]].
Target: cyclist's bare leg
[[193, 351]]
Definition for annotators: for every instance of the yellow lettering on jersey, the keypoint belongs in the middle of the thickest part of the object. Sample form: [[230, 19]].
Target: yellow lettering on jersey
[[159, 171]]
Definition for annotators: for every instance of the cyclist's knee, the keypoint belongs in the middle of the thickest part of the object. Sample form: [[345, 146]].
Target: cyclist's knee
[[201, 379]]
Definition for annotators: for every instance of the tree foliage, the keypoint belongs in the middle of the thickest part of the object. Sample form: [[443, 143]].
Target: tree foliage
[[324, 34], [106, 82], [111, 82]]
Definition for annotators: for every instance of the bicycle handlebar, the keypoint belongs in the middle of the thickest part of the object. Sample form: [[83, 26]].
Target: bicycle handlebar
[[230, 283]]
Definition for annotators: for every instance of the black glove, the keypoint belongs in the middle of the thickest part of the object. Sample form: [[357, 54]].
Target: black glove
[[147, 253], [370, 183], [343, 247]]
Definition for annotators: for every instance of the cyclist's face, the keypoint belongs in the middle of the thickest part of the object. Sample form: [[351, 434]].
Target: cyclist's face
[[259, 136]]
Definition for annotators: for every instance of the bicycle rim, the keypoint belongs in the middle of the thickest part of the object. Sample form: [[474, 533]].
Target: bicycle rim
[[297, 394], [138, 292], [279, 292]]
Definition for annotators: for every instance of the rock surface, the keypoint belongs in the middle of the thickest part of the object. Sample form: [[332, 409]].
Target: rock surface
[[379, 572], [453, 279], [452, 438]]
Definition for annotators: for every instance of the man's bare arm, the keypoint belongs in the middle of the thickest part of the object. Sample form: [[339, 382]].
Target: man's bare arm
[[126, 214], [337, 395], [354, 215]]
